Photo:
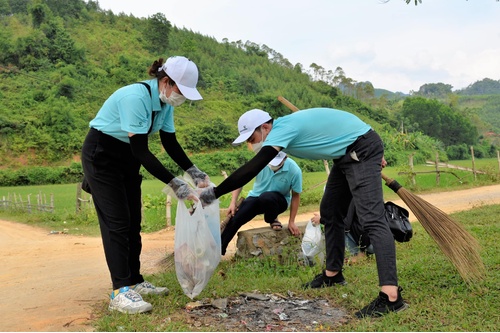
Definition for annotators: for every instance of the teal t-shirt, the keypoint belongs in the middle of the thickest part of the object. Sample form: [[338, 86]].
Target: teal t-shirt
[[129, 110], [286, 179], [316, 134]]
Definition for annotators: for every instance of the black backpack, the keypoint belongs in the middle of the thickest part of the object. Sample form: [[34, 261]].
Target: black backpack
[[396, 216]]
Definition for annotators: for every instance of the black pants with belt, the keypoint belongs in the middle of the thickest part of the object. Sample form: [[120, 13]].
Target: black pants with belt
[[356, 177], [113, 176]]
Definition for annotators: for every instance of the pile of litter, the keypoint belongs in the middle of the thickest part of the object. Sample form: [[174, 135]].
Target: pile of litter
[[265, 313]]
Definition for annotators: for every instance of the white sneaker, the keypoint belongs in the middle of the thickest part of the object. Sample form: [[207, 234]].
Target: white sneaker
[[129, 301], [146, 288]]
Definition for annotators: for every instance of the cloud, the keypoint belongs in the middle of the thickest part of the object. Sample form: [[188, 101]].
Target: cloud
[[395, 46]]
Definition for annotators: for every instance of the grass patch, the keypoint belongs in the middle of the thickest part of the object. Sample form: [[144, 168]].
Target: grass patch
[[439, 299]]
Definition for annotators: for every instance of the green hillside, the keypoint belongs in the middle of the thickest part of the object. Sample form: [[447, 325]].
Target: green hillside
[[60, 60]]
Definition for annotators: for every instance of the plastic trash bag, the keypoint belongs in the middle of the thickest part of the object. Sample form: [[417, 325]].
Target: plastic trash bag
[[197, 246], [313, 240]]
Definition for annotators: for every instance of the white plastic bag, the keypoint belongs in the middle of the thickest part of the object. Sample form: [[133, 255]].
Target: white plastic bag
[[313, 240], [197, 246]]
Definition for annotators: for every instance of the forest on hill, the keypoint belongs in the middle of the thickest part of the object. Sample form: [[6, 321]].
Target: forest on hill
[[60, 60]]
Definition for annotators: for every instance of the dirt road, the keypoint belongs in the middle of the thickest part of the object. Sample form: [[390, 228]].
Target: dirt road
[[50, 281]]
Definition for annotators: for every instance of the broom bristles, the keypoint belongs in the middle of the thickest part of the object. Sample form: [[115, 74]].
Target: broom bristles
[[168, 262], [455, 242]]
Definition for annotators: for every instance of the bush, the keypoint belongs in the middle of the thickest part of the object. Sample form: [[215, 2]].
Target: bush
[[42, 175]]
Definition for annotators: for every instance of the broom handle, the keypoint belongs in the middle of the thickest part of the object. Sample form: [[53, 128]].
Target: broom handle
[[226, 220], [386, 178], [288, 104]]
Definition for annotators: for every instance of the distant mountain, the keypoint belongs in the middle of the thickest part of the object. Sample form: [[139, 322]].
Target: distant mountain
[[484, 87], [389, 94]]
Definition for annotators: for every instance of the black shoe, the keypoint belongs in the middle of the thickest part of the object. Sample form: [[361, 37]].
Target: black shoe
[[322, 281], [381, 306]]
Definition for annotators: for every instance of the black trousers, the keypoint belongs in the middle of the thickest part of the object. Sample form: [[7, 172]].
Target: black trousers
[[356, 177], [113, 176], [271, 204]]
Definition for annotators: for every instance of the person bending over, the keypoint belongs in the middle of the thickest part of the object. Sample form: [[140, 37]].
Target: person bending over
[[357, 153], [115, 148]]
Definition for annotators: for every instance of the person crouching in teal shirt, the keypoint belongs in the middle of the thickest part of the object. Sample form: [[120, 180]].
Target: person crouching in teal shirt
[[276, 187]]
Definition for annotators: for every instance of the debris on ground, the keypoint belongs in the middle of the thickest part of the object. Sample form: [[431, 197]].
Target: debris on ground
[[58, 232], [265, 313]]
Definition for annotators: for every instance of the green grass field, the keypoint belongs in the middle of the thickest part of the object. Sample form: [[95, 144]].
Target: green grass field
[[439, 299], [85, 222]]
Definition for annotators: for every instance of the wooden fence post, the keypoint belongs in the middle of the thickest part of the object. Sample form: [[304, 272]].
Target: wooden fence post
[[498, 159], [327, 167], [410, 162], [78, 195], [473, 162], [438, 175], [29, 203], [168, 207]]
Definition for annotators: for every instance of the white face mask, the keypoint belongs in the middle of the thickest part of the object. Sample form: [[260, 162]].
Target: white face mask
[[163, 97], [256, 147], [175, 99]]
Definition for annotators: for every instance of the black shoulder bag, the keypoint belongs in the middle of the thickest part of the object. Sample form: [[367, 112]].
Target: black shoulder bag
[[398, 220]]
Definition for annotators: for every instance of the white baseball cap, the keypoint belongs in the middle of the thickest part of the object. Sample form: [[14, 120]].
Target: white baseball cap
[[278, 159], [248, 122], [185, 74]]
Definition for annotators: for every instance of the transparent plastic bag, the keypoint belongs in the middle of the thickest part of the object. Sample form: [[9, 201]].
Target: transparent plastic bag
[[197, 246], [313, 240]]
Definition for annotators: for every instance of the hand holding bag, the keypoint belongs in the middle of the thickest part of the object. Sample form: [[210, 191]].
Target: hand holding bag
[[197, 246]]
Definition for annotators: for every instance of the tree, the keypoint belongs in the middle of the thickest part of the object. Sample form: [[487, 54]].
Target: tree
[[19, 6], [157, 33], [4, 8], [60, 44], [434, 90], [438, 120], [39, 14], [416, 1]]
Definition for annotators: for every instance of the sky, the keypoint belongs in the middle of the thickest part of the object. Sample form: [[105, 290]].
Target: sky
[[394, 45]]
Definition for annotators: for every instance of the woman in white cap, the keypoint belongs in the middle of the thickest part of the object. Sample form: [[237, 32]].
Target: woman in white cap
[[115, 148], [276, 187]]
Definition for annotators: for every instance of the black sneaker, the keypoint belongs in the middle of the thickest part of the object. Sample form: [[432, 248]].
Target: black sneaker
[[322, 281], [381, 306]]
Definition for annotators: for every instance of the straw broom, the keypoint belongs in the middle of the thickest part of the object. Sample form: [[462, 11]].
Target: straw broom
[[456, 243]]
